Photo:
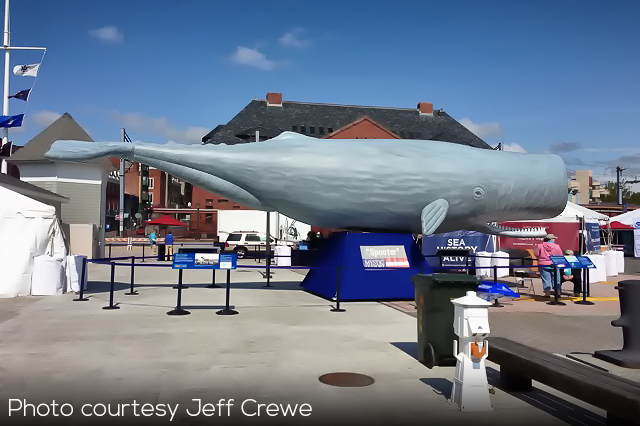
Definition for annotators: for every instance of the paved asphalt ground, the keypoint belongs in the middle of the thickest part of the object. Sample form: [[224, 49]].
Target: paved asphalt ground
[[274, 351]]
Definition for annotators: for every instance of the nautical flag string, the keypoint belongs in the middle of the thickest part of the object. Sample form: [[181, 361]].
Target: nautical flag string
[[29, 70], [23, 95], [33, 74], [11, 120]]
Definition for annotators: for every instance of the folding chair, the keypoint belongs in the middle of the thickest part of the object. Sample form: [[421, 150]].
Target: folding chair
[[521, 277]]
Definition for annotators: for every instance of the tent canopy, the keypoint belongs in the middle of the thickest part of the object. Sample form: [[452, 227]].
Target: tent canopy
[[617, 225], [573, 213], [166, 220], [628, 218]]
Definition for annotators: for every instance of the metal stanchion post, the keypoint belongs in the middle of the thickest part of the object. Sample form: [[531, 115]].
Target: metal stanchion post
[[132, 291], [213, 280], [143, 252], [112, 290], [337, 308], [109, 251], [81, 297], [496, 304], [227, 309], [268, 271], [585, 286], [178, 310], [180, 285], [555, 284]]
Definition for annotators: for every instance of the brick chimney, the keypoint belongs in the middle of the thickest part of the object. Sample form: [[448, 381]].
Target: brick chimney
[[274, 99], [425, 108]]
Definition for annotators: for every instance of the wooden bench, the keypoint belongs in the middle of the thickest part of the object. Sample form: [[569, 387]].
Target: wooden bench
[[520, 364]]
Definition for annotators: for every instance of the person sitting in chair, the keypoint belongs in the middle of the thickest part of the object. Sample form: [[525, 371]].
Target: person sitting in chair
[[573, 276]]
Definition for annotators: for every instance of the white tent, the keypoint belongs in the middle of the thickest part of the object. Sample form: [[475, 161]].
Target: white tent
[[574, 213], [629, 218], [28, 228]]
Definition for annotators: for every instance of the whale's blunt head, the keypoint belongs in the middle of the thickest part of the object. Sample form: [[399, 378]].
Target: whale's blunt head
[[515, 186]]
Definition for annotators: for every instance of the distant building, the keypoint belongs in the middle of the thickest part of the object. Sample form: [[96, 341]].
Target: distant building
[[84, 183], [583, 189]]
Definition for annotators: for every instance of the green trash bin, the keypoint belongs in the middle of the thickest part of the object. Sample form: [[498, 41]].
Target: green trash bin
[[434, 293]]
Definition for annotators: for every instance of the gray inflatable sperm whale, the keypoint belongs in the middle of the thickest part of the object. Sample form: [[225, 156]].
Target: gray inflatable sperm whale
[[376, 185]]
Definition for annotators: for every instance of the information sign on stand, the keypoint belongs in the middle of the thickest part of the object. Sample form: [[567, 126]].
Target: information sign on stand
[[204, 261], [559, 261], [585, 262]]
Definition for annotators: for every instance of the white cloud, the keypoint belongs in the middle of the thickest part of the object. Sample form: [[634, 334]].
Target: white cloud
[[481, 130], [45, 118], [160, 126], [253, 58], [513, 147], [292, 38], [108, 34]]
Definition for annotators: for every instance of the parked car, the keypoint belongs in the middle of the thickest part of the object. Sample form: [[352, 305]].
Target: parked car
[[140, 231], [244, 242]]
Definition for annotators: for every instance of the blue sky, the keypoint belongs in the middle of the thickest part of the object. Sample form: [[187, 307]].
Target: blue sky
[[558, 76]]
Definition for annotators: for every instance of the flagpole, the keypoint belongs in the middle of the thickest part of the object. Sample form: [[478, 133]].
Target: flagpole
[[7, 69], [5, 99]]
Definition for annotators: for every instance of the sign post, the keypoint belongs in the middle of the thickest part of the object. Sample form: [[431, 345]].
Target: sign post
[[213, 261]]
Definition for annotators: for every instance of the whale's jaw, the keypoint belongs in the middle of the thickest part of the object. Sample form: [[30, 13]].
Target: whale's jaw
[[506, 231]]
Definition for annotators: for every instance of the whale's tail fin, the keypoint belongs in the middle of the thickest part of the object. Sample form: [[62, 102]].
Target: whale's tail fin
[[82, 150]]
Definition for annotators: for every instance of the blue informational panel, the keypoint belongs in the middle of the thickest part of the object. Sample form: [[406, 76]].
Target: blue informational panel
[[585, 262], [592, 239], [574, 263], [204, 261], [559, 261]]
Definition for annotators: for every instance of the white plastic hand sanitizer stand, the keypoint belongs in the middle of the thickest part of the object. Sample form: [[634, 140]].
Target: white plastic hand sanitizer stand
[[471, 323]]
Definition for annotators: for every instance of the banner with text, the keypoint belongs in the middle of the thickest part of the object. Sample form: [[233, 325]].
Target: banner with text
[[384, 257]]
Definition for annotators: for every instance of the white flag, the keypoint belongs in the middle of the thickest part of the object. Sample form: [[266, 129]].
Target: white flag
[[30, 70]]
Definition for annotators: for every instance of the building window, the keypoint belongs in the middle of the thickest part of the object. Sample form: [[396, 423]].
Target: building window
[[294, 128], [150, 196], [312, 130], [209, 200], [330, 129], [208, 218], [236, 207], [223, 200], [321, 130], [151, 183], [303, 129]]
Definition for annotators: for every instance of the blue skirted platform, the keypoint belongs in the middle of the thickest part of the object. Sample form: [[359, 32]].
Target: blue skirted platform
[[340, 257]]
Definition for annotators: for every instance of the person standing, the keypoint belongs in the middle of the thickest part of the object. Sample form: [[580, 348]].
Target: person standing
[[153, 239], [543, 252], [168, 242], [572, 276]]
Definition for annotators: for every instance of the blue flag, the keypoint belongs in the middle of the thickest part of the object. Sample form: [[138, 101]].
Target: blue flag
[[11, 120], [22, 95]]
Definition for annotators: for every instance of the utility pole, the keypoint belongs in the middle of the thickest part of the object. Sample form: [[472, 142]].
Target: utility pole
[[619, 184], [122, 133], [5, 101], [123, 138]]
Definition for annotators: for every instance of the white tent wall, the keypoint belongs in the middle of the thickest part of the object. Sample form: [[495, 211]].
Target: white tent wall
[[28, 228]]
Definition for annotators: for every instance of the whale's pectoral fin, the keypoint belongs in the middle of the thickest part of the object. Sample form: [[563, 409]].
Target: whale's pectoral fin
[[433, 214]]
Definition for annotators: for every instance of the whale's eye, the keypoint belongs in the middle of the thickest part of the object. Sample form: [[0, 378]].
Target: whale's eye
[[478, 192]]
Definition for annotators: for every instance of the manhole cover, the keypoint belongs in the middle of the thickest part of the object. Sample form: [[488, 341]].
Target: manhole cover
[[346, 380]]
